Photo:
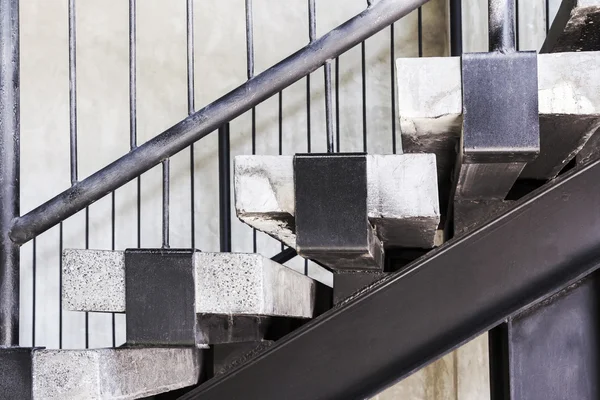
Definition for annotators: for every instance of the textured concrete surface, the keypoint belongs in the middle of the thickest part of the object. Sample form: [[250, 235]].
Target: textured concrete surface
[[402, 197], [112, 373], [93, 280], [226, 283], [264, 194], [251, 284]]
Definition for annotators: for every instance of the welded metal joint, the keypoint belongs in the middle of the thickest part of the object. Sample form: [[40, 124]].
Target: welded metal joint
[[332, 224]]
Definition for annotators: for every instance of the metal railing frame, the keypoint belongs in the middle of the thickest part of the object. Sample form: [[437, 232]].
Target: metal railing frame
[[198, 125], [16, 230]]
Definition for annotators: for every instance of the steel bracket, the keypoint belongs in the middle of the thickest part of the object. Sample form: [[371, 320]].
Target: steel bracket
[[16, 366], [332, 223], [500, 122]]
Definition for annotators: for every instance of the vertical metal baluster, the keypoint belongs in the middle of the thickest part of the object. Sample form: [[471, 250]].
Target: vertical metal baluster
[[9, 170], [337, 103], [33, 288], [166, 166], [501, 22], [364, 93], [113, 246], [191, 108], [281, 133], [393, 85], [73, 135], [73, 91], [328, 106], [547, 16], [517, 39], [455, 27], [133, 123], [420, 30], [250, 75], [87, 246], [133, 106], [328, 95], [224, 189], [60, 312], [312, 35], [280, 123]]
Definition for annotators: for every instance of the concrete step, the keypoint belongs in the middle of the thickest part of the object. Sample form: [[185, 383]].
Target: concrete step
[[235, 297], [102, 374], [430, 109], [402, 197]]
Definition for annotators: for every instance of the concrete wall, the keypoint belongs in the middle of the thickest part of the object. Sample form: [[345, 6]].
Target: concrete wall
[[220, 65]]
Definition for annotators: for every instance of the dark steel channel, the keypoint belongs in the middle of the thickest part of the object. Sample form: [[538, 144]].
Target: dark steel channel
[[328, 107], [9, 170], [250, 75], [501, 21], [393, 86], [375, 18], [133, 106], [285, 255], [166, 198], [456, 27], [224, 189], [546, 241]]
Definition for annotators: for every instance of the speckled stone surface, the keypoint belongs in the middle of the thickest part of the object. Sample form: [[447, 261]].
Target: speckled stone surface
[[112, 373], [401, 195], [226, 283], [234, 283], [94, 280]]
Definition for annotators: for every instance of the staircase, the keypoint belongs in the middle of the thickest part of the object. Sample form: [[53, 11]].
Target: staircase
[[485, 222]]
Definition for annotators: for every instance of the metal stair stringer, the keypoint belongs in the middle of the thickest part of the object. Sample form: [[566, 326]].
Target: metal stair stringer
[[549, 239]]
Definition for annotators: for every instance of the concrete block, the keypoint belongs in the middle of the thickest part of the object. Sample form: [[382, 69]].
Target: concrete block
[[264, 195], [402, 197], [430, 110], [226, 283], [233, 283], [124, 373]]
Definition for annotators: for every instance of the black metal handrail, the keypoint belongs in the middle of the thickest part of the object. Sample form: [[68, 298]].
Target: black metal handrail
[[198, 125]]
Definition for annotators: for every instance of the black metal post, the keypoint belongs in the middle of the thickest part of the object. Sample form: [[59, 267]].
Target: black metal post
[[456, 27], [285, 255], [224, 189], [9, 170], [380, 15], [501, 17]]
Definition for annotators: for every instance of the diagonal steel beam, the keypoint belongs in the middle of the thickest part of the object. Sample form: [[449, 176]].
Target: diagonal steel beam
[[401, 323], [575, 27], [375, 18]]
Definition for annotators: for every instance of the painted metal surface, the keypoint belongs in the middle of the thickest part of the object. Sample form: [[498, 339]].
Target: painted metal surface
[[332, 223]]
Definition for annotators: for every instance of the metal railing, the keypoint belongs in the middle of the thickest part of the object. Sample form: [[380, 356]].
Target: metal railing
[[324, 51]]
